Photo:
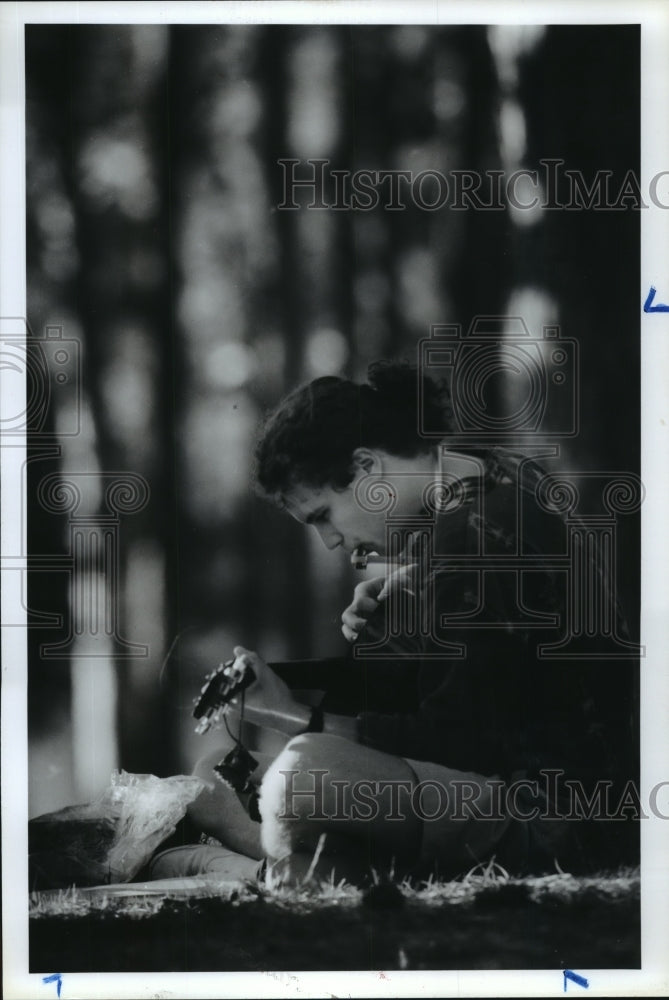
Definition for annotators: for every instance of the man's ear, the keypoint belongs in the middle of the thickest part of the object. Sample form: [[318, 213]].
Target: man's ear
[[367, 460]]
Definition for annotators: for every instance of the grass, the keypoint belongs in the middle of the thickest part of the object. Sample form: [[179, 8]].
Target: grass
[[486, 920]]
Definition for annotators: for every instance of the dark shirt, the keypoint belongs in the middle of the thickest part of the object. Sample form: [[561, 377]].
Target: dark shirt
[[502, 708]]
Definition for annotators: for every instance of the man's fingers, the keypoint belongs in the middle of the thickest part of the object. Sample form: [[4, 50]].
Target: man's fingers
[[395, 586], [368, 589], [243, 658], [364, 606], [400, 580], [358, 612], [351, 618]]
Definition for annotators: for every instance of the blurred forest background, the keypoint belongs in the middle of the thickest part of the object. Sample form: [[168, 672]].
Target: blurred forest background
[[155, 243]]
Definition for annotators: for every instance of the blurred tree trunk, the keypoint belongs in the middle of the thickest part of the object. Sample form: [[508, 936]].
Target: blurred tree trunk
[[49, 681], [481, 271], [287, 551], [111, 299]]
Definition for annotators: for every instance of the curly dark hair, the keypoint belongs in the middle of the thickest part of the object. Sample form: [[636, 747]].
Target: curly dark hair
[[310, 438]]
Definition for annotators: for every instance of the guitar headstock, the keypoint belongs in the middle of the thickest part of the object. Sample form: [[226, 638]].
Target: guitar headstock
[[218, 691]]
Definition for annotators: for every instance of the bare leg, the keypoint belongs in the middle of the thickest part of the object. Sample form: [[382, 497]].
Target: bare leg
[[359, 797], [218, 811]]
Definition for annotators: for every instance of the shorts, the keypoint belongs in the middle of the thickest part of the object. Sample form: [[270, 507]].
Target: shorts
[[466, 822]]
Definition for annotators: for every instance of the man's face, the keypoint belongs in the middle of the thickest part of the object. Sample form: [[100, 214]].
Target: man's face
[[338, 517]]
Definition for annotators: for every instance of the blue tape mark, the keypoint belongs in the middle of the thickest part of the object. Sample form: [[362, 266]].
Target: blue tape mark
[[575, 978], [56, 978], [648, 306]]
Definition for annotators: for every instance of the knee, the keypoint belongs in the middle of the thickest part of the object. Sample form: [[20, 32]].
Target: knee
[[206, 810], [204, 768], [291, 792], [303, 756]]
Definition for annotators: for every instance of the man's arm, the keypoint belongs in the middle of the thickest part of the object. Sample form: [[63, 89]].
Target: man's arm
[[270, 703], [341, 725]]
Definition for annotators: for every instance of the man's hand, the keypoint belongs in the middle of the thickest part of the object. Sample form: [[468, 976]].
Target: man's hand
[[268, 701], [369, 594]]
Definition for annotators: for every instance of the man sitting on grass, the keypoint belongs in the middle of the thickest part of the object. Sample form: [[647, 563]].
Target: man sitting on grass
[[471, 763]]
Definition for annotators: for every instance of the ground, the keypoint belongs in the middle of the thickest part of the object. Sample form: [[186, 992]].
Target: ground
[[483, 921]]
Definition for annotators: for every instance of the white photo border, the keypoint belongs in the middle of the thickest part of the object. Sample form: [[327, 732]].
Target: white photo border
[[653, 978]]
